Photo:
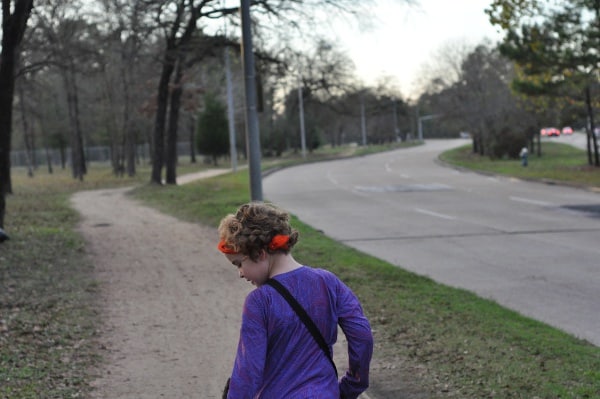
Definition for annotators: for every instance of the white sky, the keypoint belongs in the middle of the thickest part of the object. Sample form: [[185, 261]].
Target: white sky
[[404, 37]]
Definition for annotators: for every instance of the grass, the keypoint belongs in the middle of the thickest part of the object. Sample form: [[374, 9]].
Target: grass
[[466, 347], [558, 163]]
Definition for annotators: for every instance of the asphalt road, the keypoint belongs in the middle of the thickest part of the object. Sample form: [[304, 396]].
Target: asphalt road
[[531, 247]]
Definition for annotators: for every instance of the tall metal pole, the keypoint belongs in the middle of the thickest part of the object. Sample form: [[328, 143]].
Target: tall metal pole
[[230, 113], [425, 118], [252, 133], [230, 109], [301, 105], [363, 120], [396, 129]]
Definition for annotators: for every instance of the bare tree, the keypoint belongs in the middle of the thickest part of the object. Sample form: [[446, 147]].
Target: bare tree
[[445, 67], [126, 34], [14, 20], [68, 50], [180, 19], [481, 101]]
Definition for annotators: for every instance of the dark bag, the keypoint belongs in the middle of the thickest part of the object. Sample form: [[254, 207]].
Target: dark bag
[[226, 389]]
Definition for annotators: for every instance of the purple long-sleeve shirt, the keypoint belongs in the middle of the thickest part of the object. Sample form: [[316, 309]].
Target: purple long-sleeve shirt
[[277, 357]]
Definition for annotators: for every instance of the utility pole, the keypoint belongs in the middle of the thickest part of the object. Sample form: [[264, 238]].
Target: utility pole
[[230, 113], [301, 108], [396, 129], [230, 108], [425, 118], [252, 132], [363, 120]]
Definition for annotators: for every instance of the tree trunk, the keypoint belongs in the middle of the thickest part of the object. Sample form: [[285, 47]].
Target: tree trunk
[[591, 137], [46, 150], [130, 150], [13, 27], [192, 141], [171, 161], [7, 86], [158, 153], [77, 154], [128, 131], [27, 135]]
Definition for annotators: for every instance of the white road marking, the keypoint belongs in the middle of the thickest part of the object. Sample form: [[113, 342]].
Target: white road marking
[[530, 201], [431, 213], [331, 179], [337, 184]]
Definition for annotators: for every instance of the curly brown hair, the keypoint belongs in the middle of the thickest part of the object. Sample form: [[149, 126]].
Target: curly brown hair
[[253, 226]]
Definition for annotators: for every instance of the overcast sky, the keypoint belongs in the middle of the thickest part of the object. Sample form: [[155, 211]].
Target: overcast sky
[[403, 37]]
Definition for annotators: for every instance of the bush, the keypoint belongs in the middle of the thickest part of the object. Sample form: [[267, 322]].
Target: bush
[[506, 143], [213, 129]]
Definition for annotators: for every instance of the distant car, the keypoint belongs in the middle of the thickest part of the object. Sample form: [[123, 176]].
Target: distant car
[[567, 130], [550, 131]]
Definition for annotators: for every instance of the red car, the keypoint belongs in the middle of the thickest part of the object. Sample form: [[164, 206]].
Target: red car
[[550, 131], [567, 130]]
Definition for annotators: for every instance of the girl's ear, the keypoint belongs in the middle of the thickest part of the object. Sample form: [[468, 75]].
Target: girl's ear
[[263, 254]]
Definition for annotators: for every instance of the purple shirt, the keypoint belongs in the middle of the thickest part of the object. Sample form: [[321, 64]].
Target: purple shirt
[[277, 357]]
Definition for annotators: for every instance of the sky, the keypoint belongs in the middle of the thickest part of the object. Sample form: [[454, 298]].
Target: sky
[[404, 38]]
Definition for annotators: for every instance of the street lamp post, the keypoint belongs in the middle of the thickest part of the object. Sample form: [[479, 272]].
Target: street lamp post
[[252, 132], [425, 118], [396, 129], [230, 112], [230, 108], [301, 108], [363, 120]]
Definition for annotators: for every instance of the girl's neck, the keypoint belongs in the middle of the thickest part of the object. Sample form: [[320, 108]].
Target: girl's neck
[[281, 263]]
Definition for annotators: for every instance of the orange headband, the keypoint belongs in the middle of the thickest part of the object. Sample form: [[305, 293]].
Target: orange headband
[[280, 241], [226, 249]]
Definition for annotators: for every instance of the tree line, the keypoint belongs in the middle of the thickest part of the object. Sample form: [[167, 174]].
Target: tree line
[[121, 73]]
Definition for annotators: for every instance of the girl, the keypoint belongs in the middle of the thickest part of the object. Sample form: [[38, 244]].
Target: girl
[[277, 357]]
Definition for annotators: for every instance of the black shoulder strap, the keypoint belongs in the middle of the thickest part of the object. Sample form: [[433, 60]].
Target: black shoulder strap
[[310, 325]]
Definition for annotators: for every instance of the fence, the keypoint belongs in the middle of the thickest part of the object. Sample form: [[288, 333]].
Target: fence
[[100, 154]]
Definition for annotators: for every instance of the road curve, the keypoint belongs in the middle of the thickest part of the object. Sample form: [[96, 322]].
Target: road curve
[[531, 247]]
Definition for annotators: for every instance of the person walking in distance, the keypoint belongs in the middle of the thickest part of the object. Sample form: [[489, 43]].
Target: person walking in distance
[[289, 322], [524, 154]]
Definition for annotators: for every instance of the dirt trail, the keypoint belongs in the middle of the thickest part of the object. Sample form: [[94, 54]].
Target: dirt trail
[[171, 306]]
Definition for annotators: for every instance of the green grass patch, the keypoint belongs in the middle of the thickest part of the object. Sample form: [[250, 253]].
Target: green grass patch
[[46, 321], [558, 162]]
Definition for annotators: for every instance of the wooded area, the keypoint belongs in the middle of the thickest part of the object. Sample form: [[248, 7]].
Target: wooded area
[[125, 74]]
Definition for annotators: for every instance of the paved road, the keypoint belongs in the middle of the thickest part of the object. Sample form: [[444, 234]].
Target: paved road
[[531, 247]]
